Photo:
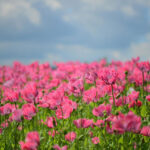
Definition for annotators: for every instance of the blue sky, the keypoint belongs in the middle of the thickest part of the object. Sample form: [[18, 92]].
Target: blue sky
[[73, 30]]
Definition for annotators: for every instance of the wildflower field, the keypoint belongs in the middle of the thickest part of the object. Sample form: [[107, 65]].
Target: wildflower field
[[76, 106]]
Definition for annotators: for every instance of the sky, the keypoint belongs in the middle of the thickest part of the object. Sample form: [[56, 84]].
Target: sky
[[73, 30]]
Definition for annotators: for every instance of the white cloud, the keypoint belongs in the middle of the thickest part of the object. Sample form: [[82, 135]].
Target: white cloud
[[129, 10], [125, 7], [18, 10], [53, 4], [90, 14], [141, 49], [52, 57], [116, 54], [86, 54], [143, 2], [77, 52]]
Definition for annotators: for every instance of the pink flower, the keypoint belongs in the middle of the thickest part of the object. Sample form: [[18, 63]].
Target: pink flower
[[133, 96], [139, 103], [90, 133], [29, 111], [108, 129], [63, 112], [51, 122], [83, 123], [101, 109], [19, 128], [145, 131], [99, 123], [52, 133], [28, 145], [70, 136], [13, 96], [132, 104], [7, 109], [148, 97], [4, 124], [90, 95], [33, 137], [109, 75], [31, 142], [60, 148], [17, 115], [144, 66], [95, 140], [90, 77], [1, 130], [75, 86], [129, 122], [30, 92]]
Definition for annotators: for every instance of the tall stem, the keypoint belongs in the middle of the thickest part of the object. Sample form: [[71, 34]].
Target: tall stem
[[143, 85], [113, 95]]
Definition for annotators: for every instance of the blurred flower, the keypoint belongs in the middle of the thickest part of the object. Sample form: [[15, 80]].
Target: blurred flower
[[95, 140], [101, 109], [70, 136], [60, 148], [145, 131], [29, 111], [83, 123], [129, 122], [148, 98], [16, 115], [31, 142], [109, 75]]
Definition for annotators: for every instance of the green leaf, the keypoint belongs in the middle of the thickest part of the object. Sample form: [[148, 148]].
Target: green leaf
[[143, 111], [120, 140]]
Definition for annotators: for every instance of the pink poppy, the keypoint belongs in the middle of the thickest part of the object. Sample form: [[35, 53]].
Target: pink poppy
[[109, 75], [52, 133], [90, 95], [16, 115], [64, 112], [30, 92], [139, 103], [75, 86], [1, 130], [60, 148], [70, 136], [90, 133], [109, 129], [143, 66], [133, 96], [19, 128], [83, 123], [148, 97], [31, 142], [7, 109], [101, 109], [95, 140], [33, 137], [13, 96], [28, 145], [132, 104], [129, 122], [4, 124], [29, 111], [145, 131], [90, 77], [51, 122], [99, 123]]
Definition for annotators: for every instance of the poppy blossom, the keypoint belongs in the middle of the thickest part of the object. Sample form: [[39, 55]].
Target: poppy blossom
[[70, 136]]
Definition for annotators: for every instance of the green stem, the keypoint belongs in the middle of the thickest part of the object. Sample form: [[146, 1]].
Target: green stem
[[113, 95], [143, 85]]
